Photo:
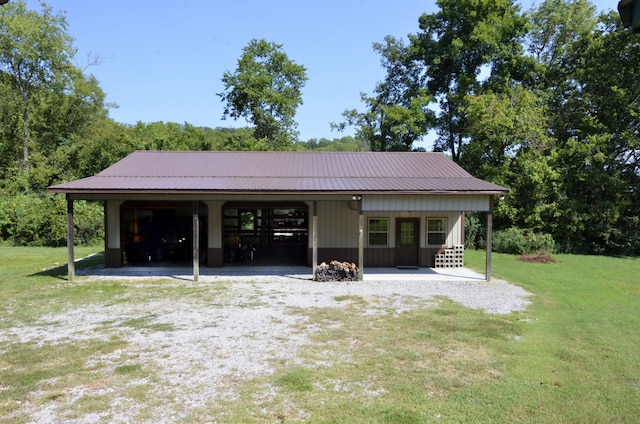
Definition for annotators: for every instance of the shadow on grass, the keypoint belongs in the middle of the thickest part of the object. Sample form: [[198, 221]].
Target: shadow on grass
[[62, 272]]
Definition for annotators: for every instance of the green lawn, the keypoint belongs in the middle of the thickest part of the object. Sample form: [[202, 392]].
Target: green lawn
[[572, 357], [579, 358]]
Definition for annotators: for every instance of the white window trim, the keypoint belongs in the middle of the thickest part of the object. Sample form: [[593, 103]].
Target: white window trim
[[446, 230], [388, 232]]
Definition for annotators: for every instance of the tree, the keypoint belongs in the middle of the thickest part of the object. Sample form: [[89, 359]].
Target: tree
[[397, 114], [343, 144], [510, 146], [265, 89], [555, 27], [455, 46], [597, 131], [36, 54]]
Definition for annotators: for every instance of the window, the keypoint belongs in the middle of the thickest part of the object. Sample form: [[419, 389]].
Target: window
[[436, 231], [247, 221], [378, 231]]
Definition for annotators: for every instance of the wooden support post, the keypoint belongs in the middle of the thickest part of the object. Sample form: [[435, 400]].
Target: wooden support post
[[196, 243], [314, 238], [462, 240], [360, 238], [489, 237], [71, 264]]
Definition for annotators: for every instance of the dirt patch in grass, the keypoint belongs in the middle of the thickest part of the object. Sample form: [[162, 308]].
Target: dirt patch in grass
[[538, 258]]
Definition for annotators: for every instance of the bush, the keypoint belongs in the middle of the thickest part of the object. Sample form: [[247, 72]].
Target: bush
[[474, 231], [521, 242], [33, 220]]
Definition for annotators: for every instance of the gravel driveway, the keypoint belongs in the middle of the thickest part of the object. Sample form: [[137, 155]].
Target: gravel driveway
[[230, 330]]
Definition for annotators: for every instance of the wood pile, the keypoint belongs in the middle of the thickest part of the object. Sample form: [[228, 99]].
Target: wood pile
[[337, 271]]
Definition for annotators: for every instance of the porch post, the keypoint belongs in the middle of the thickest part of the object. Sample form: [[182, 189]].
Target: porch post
[[360, 238], [71, 265], [489, 237], [462, 240], [196, 243], [314, 238]]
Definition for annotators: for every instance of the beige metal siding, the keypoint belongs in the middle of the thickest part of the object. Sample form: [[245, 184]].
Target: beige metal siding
[[454, 225], [337, 225], [113, 223], [421, 202], [214, 224]]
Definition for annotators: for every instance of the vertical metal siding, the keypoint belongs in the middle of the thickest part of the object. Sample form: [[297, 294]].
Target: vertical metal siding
[[454, 225], [425, 203], [113, 223], [214, 235], [337, 225]]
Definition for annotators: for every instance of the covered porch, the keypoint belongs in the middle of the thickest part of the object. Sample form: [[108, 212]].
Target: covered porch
[[206, 248], [291, 272], [212, 209]]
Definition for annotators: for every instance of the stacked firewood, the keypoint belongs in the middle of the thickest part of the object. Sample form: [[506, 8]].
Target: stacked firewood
[[337, 271]]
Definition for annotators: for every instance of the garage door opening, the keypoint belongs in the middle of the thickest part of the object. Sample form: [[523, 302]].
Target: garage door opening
[[265, 234], [161, 233]]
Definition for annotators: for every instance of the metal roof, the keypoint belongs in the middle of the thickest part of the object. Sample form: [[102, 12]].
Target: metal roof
[[281, 172]]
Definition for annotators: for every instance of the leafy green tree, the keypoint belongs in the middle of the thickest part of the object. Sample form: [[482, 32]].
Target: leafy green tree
[[100, 145], [35, 54], [556, 29], [455, 46], [597, 132], [343, 144], [509, 145], [265, 89], [242, 139], [397, 113]]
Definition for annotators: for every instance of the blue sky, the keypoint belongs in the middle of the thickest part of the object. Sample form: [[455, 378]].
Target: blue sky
[[164, 60]]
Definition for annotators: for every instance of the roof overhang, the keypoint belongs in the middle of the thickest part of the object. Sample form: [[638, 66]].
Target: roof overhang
[[199, 174]]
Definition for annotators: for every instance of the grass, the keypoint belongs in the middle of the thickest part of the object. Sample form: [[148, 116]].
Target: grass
[[579, 360], [571, 357]]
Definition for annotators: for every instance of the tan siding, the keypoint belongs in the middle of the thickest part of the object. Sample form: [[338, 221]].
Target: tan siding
[[113, 223], [214, 224], [454, 225], [455, 232], [337, 225]]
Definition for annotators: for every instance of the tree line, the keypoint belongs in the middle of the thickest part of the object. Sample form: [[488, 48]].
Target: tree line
[[544, 101]]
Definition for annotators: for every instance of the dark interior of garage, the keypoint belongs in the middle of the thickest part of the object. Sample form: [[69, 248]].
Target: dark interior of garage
[[265, 234], [161, 233]]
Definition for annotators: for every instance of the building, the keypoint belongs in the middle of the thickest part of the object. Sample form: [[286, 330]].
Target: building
[[213, 208]]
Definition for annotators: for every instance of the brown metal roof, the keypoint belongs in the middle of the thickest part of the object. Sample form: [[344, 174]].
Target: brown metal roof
[[276, 172]]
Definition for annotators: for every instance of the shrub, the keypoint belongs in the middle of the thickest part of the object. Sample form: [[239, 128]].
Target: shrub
[[474, 231], [34, 220], [519, 241]]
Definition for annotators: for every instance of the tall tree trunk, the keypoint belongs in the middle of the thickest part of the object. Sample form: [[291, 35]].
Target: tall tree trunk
[[25, 130], [25, 140]]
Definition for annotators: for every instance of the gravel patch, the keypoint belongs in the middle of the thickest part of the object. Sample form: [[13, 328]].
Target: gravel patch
[[233, 332]]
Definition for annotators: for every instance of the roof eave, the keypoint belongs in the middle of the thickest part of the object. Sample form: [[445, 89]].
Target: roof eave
[[274, 192]]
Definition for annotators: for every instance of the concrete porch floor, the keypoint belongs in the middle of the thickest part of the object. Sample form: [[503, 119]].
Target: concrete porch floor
[[293, 272]]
